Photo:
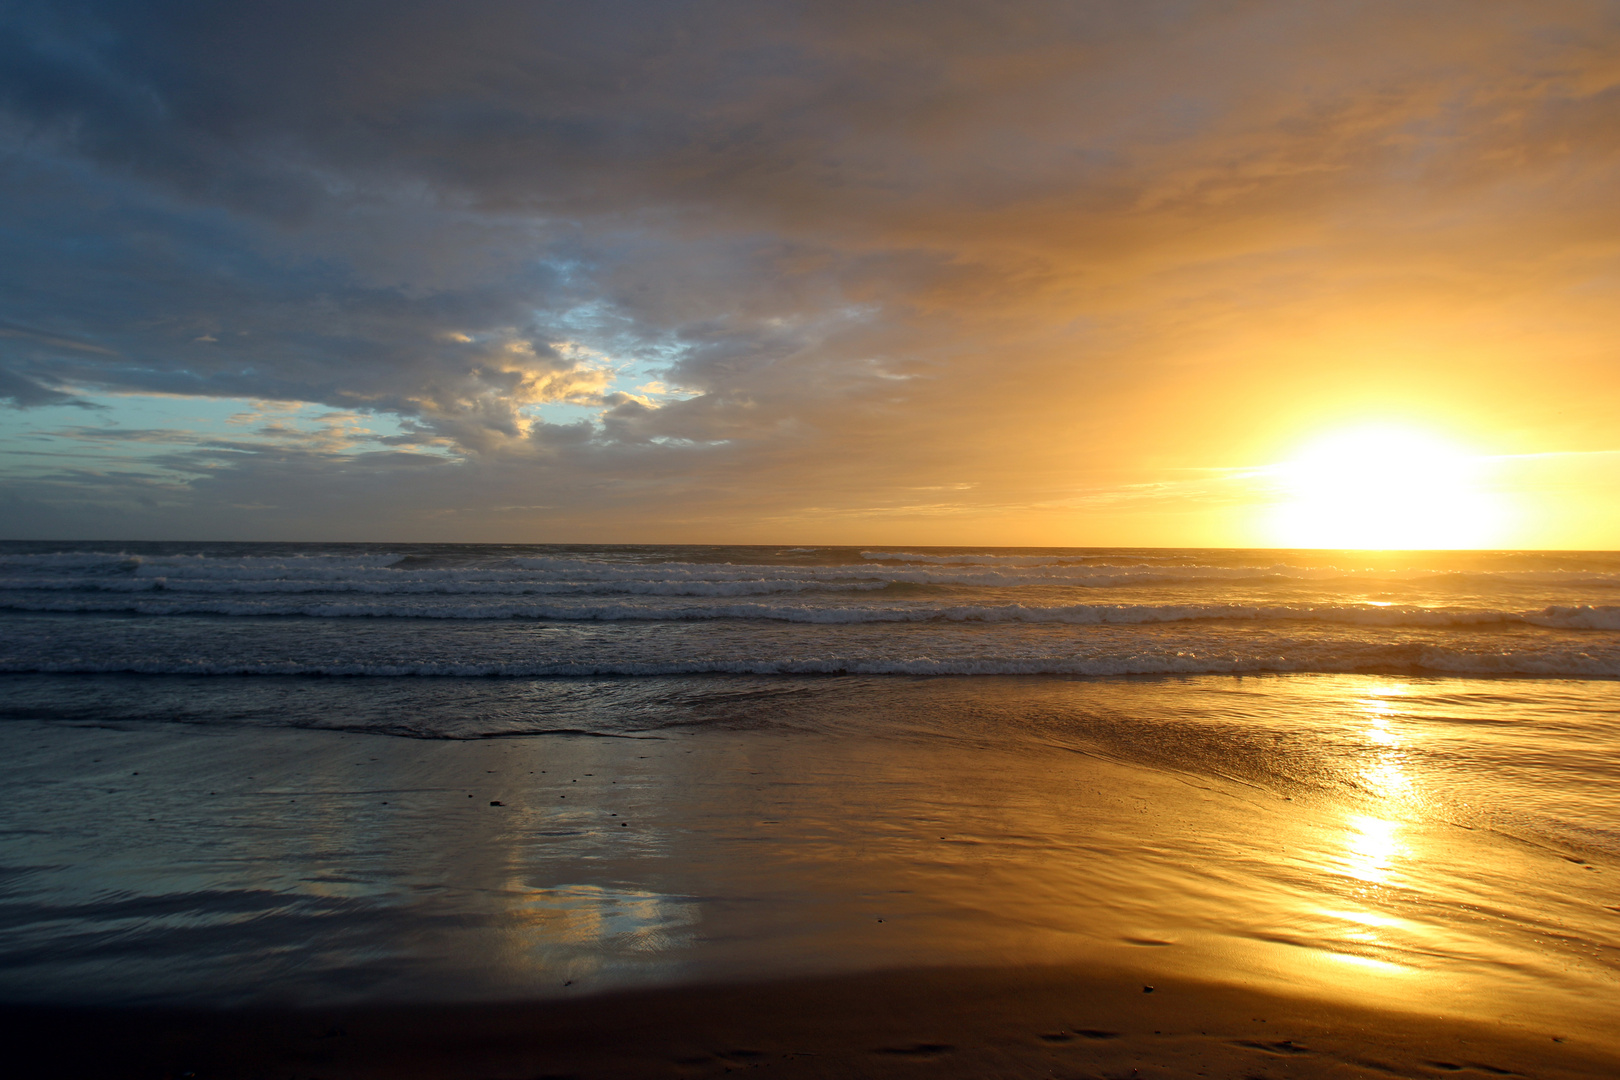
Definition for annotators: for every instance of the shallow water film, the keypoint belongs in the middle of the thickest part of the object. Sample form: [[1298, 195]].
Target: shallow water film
[[258, 839]]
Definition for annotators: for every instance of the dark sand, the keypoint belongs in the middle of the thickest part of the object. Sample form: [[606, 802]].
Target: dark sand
[[1034, 1022]]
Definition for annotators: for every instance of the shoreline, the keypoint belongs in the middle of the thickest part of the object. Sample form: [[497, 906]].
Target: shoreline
[[942, 1022]]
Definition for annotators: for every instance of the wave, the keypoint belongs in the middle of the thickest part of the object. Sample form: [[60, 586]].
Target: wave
[[1579, 617], [1401, 659], [1090, 570], [442, 587], [351, 573], [975, 560], [126, 561]]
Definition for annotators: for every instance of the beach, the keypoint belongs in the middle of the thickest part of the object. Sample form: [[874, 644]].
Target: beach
[[845, 867], [981, 1022], [275, 872]]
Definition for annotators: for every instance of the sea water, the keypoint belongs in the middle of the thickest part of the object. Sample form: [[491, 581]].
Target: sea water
[[297, 773], [353, 609]]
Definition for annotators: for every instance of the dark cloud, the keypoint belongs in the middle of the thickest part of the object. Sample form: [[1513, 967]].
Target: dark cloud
[[875, 248]]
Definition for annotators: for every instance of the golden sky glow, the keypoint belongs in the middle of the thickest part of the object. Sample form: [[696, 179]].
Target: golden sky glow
[[1027, 273]]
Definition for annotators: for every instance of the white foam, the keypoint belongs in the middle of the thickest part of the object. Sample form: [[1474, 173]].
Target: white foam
[[1434, 660], [443, 586], [391, 572], [944, 610], [96, 569], [1583, 617], [109, 574]]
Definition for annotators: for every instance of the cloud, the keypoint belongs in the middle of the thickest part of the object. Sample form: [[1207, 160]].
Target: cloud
[[1037, 248], [21, 392]]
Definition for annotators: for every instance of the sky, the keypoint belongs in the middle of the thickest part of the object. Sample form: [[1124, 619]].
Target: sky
[[641, 271]]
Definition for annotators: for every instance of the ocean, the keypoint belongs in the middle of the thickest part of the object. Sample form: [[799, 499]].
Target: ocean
[[447, 609], [294, 773]]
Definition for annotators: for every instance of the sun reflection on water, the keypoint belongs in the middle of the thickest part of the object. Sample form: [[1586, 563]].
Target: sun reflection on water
[[1367, 962], [1371, 847], [1385, 775], [1378, 732]]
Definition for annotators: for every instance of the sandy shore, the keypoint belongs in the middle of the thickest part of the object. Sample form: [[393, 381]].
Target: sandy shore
[[944, 878], [1016, 1022]]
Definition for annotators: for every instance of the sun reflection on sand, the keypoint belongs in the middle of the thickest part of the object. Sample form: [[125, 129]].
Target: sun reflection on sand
[[1371, 847], [1385, 776], [1383, 966], [1330, 866], [1374, 844], [581, 929]]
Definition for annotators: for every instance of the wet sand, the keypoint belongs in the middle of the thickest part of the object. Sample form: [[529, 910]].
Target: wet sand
[[1017, 1022], [936, 878]]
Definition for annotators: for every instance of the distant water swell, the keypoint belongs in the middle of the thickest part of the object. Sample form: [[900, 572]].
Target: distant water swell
[[386, 573], [1584, 617], [474, 610], [1425, 661]]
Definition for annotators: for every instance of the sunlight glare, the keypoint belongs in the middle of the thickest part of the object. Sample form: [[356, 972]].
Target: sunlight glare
[[1371, 846], [1384, 487]]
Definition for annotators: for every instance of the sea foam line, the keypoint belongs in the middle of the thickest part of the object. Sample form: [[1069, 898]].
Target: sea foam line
[[408, 586], [1369, 660], [110, 573], [1580, 617]]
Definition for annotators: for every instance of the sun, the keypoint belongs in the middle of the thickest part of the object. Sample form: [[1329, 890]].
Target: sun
[[1384, 487]]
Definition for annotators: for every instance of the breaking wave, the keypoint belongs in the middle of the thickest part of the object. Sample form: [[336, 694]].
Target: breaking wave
[[382, 573], [1584, 617], [459, 610], [1404, 659]]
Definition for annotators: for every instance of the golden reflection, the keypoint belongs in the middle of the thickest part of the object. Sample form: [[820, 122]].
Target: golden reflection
[[588, 929], [1384, 487], [1366, 918], [1371, 846], [1378, 732], [1367, 962], [1386, 780], [627, 920], [1386, 775]]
